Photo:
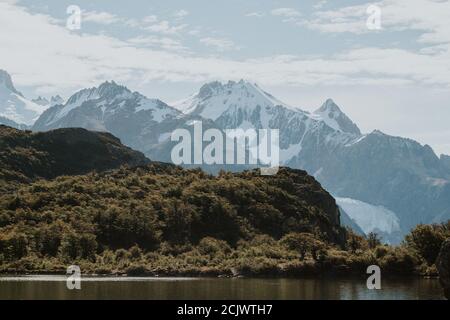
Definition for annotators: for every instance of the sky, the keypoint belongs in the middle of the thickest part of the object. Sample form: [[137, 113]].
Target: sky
[[385, 63]]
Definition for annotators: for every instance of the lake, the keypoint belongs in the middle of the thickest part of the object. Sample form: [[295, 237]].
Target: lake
[[54, 287]]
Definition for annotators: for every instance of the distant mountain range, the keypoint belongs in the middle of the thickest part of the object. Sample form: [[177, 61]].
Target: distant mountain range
[[42, 101], [382, 172]]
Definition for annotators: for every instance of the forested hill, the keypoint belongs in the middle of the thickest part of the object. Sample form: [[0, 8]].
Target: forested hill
[[25, 156], [72, 196], [157, 203]]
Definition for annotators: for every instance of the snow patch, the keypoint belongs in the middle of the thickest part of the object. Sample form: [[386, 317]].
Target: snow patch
[[370, 217], [17, 108]]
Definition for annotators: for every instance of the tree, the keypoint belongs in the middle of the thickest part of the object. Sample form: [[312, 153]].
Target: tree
[[135, 252], [427, 241], [303, 242], [48, 237], [13, 245], [212, 247], [443, 267], [373, 240], [316, 247], [354, 242], [74, 246]]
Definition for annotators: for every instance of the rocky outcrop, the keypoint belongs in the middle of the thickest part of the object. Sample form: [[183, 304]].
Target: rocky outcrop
[[314, 208], [26, 156], [443, 266]]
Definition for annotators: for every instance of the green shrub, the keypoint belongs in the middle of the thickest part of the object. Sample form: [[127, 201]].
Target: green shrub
[[427, 241]]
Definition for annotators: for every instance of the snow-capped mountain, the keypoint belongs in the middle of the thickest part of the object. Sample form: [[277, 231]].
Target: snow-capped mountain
[[245, 105], [41, 101], [131, 116], [13, 105], [106, 101], [215, 98], [54, 100], [330, 113], [377, 169]]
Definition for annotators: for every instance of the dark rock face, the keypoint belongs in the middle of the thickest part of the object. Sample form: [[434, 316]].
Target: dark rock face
[[26, 156], [443, 266], [315, 205]]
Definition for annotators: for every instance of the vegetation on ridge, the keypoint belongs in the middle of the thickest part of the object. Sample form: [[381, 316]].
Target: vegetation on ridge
[[58, 206], [164, 220]]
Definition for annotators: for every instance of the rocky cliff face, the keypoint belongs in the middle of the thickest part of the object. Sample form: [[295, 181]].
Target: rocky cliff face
[[316, 207]]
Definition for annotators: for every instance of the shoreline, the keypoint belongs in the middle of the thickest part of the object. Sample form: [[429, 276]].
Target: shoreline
[[220, 276]]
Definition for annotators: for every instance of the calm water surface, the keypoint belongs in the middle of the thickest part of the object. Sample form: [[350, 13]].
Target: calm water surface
[[54, 287]]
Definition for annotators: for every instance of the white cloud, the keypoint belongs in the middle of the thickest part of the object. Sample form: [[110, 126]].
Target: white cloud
[[164, 27], [255, 14], [286, 12], [181, 13], [43, 54], [428, 16], [149, 23], [158, 42], [219, 43], [150, 19], [100, 17], [320, 4], [195, 31]]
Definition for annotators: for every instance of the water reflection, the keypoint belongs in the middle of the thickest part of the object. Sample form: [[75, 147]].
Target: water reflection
[[54, 287]]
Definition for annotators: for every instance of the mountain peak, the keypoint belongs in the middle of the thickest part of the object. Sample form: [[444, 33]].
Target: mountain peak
[[329, 105], [42, 101], [6, 81], [111, 89], [215, 98], [209, 88], [107, 90], [332, 115], [216, 87], [54, 100]]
